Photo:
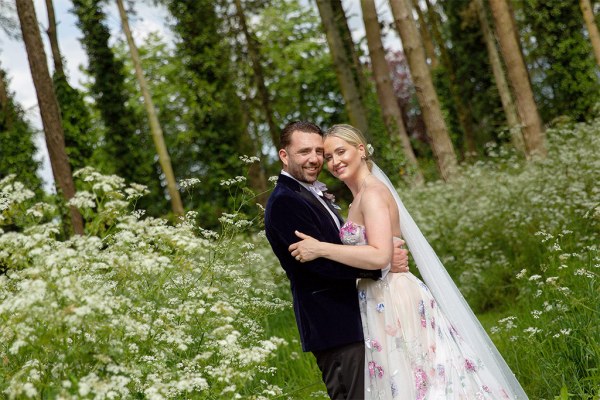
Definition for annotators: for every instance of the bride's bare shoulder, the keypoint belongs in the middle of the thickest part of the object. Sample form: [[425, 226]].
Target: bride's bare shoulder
[[377, 189]]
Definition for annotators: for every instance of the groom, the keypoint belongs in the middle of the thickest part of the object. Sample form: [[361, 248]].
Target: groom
[[324, 291]]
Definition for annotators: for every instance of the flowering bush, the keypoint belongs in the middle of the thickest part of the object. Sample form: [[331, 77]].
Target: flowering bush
[[521, 240], [136, 308]]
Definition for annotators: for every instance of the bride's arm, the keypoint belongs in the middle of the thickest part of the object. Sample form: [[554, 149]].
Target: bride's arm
[[376, 255]]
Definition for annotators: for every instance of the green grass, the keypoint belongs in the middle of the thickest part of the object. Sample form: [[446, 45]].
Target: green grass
[[521, 241], [138, 306]]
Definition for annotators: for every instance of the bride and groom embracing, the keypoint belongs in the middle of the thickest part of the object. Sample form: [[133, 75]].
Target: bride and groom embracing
[[389, 336]]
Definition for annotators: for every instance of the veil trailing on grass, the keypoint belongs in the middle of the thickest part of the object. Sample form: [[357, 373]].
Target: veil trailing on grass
[[449, 298]]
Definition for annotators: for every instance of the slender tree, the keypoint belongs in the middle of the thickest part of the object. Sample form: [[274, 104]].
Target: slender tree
[[392, 115], [533, 129], [508, 105], [75, 116], [155, 128], [5, 103], [126, 147], [48, 106], [463, 110], [290, 32], [215, 138], [426, 37], [259, 75], [53, 36], [592, 27], [430, 106], [345, 60]]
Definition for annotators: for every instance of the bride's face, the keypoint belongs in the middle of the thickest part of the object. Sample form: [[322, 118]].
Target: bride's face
[[343, 159]]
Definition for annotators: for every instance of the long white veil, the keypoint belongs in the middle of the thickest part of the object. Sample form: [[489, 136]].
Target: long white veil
[[450, 299]]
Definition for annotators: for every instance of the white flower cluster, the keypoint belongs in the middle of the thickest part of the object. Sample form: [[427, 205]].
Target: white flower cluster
[[233, 181], [143, 309], [188, 183], [249, 160]]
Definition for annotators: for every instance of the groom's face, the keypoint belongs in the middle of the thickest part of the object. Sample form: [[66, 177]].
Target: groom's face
[[303, 158]]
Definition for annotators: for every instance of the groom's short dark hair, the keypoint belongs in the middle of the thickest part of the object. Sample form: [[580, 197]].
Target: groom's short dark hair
[[303, 126]]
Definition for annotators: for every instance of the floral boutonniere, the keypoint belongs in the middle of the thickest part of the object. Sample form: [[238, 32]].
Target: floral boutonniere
[[331, 198]]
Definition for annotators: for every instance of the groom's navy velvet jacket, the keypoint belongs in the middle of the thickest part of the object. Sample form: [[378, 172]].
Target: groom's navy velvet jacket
[[324, 291]]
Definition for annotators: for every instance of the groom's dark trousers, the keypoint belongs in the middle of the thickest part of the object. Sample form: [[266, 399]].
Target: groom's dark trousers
[[343, 370], [324, 291]]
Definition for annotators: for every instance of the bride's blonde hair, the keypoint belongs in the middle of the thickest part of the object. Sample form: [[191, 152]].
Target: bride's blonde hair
[[352, 136]]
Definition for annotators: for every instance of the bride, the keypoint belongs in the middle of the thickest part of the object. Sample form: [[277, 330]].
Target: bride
[[422, 341]]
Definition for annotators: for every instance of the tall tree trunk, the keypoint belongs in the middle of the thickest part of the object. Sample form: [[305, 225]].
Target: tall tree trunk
[[426, 37], [505, 96], [52, 35], [428, 100], [348, 69], [590, 23], [392, 115], [155, 128], [5, 108], [76, 121], [48, 105], [256, 172], [533, 129], [465, 118], [259, 76]]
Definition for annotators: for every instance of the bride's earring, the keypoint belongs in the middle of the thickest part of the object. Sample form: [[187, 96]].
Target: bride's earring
[[363, 157]]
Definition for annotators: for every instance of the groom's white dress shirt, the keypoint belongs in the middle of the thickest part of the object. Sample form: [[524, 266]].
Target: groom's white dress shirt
[[318, 194]]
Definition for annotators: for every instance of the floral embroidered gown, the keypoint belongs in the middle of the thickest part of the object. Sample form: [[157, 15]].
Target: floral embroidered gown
[[412, 351]]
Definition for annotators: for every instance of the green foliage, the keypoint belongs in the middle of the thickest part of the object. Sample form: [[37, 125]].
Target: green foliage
[[80, 138], [299, 70], [214, 137], [541, 218], [136, 308], [473, 73], [560, 57], [17, 149], [126, 149]]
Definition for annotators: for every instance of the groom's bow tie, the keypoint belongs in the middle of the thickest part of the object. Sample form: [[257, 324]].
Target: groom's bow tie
[[318, 188]]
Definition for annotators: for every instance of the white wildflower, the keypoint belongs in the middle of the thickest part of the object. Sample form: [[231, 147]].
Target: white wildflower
[[30, 390], [532, 331], [116, 205], [17, 344], [189, 183], [82, 200], [584, 272], [230, 182], [521, 273], [249, 160]]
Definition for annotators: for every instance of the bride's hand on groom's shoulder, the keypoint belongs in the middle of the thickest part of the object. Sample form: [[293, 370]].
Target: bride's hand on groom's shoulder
[[306, 249]]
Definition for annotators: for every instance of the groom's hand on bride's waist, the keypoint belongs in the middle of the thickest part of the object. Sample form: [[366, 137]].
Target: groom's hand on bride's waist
[[399, 257]]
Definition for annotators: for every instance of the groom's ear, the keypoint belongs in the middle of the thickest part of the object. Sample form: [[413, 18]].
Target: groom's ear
[[283, 156]]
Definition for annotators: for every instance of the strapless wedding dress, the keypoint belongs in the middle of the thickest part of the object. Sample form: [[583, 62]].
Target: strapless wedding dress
[[412, 350]]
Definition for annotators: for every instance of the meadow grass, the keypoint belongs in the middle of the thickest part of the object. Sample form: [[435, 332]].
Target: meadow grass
[[141, 308], [521, 241]]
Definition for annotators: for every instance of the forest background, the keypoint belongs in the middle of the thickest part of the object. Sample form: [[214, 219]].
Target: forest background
[[148, 273]]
